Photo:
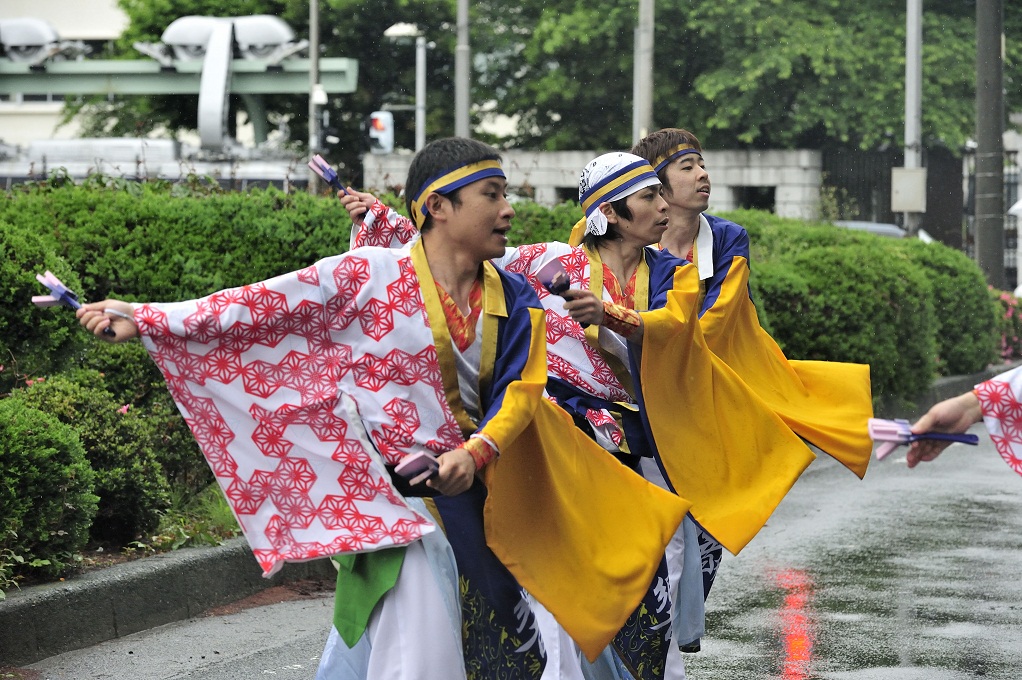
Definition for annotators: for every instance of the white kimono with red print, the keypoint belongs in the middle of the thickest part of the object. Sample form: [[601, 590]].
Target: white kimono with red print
[[262, 373], [569, 356], [1000, 398]]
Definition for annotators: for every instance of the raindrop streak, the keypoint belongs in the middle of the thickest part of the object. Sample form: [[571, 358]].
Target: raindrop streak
[[798, 630]]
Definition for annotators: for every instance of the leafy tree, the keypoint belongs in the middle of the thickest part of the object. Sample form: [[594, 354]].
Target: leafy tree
[[740, 73]]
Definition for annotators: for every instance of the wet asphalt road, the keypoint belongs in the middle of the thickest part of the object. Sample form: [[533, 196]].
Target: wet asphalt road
[[906, 575]]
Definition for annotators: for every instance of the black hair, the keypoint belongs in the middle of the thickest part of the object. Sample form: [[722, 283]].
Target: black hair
[[438, 157], [592, 241]]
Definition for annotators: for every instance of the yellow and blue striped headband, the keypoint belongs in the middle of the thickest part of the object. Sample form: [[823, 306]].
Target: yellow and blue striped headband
[[638, 172], [679, 150], [449, 181]]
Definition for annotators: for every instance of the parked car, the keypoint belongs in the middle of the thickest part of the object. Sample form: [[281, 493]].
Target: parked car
[[879, 228]]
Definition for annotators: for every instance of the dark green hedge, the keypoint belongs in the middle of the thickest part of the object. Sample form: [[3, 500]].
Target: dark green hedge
[[147, 243], [33, 342], [46, 499], [122, 445]]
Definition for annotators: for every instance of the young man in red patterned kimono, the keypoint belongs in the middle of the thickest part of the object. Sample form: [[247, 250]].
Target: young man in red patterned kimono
[[306, 390]]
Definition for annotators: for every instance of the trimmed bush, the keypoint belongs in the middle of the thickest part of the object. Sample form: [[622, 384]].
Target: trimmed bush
[[966, 317], [142, 241], [130, 375], [537, 224], [857, 304], [33, 341], [120, 445], [46, 499], [1008, 323]]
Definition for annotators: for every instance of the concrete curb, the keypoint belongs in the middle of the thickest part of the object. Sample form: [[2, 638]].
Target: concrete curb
[[43, 621]]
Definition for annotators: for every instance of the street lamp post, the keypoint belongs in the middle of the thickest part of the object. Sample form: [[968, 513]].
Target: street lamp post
[[401, 32], [313, 85], [462, 77], [642, 76]]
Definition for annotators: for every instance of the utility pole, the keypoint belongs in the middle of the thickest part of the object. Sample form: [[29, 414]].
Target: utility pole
[[420, 92], [914, 110], [990, 140], [462, 74], [313, 87], [642, 74]]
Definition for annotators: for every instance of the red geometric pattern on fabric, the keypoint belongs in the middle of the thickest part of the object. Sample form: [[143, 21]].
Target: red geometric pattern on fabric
[[560, 368], [350, 275], [222, 365], [271, 441], [426, 369], [372, 373], [409, 369], [337, 512], [349, 452], [204, 324], [601, 418], [218, 303], [576, 264], [569, 356], [306, 319], [296, 475], [376, 318], [309, 275], [558, 327], [271, 424], [404, 531], [392, 440], [264, 305], [298, 509], [238, 338], [604, 374], [525, 258], [357, 483], [383, 228], [1003, 414], [372, 528], [260, 378], [403, 294], [245, 498], [450, 436], [327, 425], [386, 444], [404, 413]]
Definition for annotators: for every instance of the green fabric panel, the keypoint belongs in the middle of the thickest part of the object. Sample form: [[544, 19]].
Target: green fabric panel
[[362, 581]]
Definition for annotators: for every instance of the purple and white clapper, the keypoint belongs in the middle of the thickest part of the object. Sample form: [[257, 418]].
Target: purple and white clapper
[[894, 433], [319, 165], [62, 295]]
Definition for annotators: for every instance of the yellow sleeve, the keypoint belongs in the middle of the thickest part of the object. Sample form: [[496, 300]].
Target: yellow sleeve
[[828, 403]]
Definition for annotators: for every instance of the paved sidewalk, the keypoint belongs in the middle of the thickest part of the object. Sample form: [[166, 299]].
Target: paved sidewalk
[[43, 621]]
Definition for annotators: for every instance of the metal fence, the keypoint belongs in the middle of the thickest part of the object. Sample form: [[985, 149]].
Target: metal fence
[[1012, 177]]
